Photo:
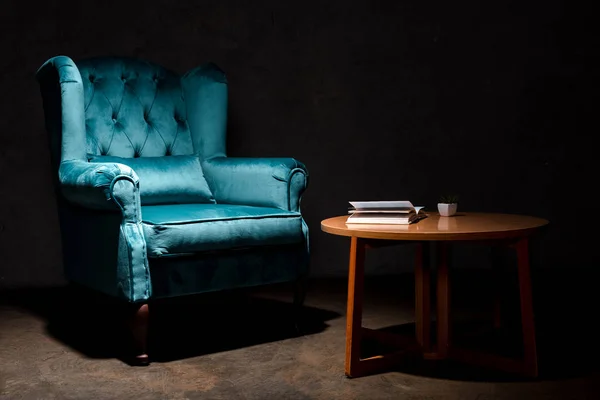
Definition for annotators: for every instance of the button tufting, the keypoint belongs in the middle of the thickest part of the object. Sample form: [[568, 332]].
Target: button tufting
[[131, 130]]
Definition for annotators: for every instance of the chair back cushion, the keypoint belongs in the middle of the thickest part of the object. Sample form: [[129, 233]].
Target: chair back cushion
[[168, 179], [133, 108], [135, 115]]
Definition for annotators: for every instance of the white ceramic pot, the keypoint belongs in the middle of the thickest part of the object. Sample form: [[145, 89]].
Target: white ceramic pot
[[447, 210]]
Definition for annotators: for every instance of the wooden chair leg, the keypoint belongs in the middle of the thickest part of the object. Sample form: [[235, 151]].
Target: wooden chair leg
[[138, 325], [300, 289], [527, 318]]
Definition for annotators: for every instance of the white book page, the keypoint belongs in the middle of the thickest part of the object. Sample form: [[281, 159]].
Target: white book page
[[381, 211], [365, 205]]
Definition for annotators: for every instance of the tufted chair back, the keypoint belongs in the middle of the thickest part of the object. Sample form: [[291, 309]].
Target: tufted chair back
[[133, 112], [133, 109]]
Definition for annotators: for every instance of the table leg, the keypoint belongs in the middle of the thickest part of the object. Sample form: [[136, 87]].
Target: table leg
[[355, 303], [527, 320], [423, 296], [497, 261], [528, 364], [443, 300], [356, 366]]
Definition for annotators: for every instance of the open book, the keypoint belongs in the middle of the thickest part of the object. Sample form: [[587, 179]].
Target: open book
[[384, 212]]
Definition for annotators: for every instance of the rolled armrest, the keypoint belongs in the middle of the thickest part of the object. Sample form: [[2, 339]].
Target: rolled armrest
[[263, 182], [101, 186]]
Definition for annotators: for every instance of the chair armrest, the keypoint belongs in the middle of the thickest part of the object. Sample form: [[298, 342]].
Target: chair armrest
[[101, 186], [113, 186], [263, 182]]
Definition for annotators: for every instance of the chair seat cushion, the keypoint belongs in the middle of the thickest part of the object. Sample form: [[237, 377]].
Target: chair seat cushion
[[190, 228]]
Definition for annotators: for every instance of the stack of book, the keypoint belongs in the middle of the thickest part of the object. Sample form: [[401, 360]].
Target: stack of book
[[384, 212]]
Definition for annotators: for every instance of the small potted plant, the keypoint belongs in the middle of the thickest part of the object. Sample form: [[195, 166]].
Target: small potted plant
[[447, 205]]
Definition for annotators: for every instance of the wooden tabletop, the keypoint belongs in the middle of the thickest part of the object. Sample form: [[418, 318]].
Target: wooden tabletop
[[461, 226]]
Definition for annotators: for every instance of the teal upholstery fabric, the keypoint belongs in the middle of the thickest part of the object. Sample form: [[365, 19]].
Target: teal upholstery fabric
[[149, 203], [133, 109], [212, 271], [262, 182], [191, 228], [167, 179], [106, 186], [205, 91], [93, 185]]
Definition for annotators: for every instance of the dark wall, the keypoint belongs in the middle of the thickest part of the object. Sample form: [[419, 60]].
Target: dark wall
[[380, 99]]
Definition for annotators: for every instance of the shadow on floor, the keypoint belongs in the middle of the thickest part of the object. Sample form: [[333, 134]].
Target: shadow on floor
[[564, 302], [180, 328], [558, 358], [565, 308]]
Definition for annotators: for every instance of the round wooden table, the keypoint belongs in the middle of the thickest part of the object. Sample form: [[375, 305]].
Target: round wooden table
[[436, 233]]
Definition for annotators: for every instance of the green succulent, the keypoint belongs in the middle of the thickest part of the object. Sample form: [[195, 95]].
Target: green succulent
[[448, 199]]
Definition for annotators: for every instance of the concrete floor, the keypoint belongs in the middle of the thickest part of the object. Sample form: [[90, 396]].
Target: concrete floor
[[59, 343]]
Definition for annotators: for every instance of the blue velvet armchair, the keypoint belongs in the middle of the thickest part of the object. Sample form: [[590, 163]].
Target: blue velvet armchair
[[150, 206]]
